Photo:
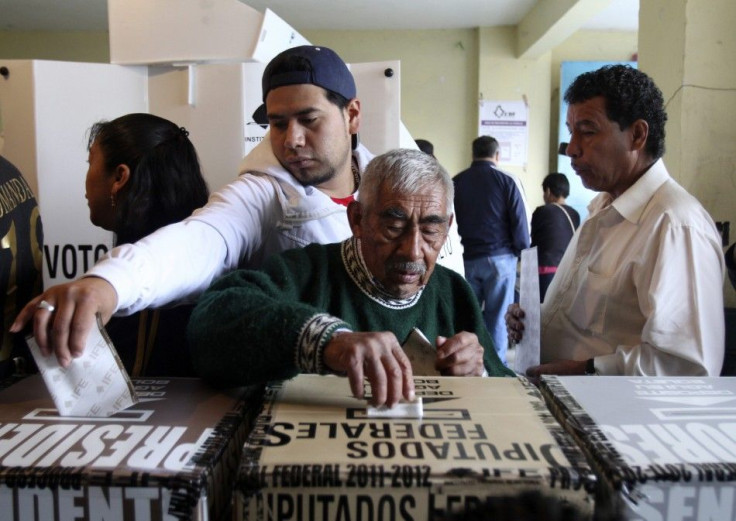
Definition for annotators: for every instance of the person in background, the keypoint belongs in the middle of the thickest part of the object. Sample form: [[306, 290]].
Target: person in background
[[144, 174], [346, 308], [731, 264], [492, 222], [553, 225], [639, 290], [425, 146], [21, 254]]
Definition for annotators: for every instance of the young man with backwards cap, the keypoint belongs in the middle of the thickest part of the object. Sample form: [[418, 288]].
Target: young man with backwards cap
[[293, 191]]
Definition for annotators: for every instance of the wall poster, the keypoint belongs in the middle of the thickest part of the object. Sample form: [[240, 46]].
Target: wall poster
[[508, 122]]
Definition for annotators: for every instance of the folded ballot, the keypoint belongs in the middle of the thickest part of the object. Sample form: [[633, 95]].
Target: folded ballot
[[95, 384], [421, 353]]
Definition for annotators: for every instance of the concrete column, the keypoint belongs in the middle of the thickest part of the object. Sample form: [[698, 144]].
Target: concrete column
[[689, 48]]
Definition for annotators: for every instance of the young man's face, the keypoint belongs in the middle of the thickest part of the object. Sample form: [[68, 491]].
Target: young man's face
[[401, 236], [310, 136], [601, 153]]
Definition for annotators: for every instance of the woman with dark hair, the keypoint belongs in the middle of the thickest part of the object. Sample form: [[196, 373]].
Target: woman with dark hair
[[553, 225], [144, 174]]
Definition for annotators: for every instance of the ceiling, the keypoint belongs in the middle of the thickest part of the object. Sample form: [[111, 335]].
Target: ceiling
[[304, 15]]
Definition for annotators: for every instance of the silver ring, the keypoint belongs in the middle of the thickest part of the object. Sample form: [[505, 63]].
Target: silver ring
[[45, 305]]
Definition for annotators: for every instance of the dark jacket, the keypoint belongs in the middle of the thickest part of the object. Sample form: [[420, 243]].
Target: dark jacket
[[490, 213]]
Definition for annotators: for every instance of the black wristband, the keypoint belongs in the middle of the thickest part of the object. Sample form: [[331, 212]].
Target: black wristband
[[590, 367]]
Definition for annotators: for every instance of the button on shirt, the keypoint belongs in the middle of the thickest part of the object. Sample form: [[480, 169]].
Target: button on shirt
[[640, 287]]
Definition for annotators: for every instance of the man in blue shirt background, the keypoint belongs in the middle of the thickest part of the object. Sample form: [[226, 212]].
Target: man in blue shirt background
[[493, 227]]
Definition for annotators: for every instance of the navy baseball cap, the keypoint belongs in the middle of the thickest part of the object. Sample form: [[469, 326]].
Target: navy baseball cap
[[328, 71]]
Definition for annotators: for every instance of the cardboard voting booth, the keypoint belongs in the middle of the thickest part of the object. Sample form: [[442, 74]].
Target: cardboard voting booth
[[172, 456], [313, 454], [665, 448]]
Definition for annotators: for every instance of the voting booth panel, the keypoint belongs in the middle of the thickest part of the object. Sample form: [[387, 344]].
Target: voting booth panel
[[143, 32], [47, 111], [663, 447], [314, 453], [172, 456], [208, 100]]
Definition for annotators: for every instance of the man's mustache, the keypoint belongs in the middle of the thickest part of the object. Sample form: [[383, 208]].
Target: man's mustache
[[412, 267]]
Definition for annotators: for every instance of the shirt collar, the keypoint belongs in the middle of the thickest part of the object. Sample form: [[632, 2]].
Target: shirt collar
[[630, 204]]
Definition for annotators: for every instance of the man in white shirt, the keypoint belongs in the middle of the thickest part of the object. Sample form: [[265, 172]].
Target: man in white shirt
[[639, 289]]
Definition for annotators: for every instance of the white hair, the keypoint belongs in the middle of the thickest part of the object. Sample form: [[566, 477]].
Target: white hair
[[406, 171]]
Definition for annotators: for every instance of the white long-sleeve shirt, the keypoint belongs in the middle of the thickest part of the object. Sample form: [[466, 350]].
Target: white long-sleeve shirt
[[640, 285]]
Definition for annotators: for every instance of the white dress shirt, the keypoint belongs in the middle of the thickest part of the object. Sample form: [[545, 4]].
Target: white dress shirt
[[640, 287]]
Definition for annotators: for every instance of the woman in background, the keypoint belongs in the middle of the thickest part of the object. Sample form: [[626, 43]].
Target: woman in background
[[553, 225], [144, 174]]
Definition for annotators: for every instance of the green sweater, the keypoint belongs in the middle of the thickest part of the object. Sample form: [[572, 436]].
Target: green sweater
[[250, 327]]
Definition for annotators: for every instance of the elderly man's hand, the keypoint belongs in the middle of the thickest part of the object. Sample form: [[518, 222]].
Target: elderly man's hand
[[64, 330], [460, 355], [514, 323], [376, 356]]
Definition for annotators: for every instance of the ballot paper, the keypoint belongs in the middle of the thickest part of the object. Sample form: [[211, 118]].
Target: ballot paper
[[95, 384], [527, 351], [403, 409], [421, 354]]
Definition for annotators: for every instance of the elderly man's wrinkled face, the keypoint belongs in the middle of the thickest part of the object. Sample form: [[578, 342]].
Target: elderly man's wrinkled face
[[401, 236]]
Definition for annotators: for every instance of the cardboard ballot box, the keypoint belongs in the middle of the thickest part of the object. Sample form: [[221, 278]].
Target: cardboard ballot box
[[172, 456], [313, 454], [665, 447]]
